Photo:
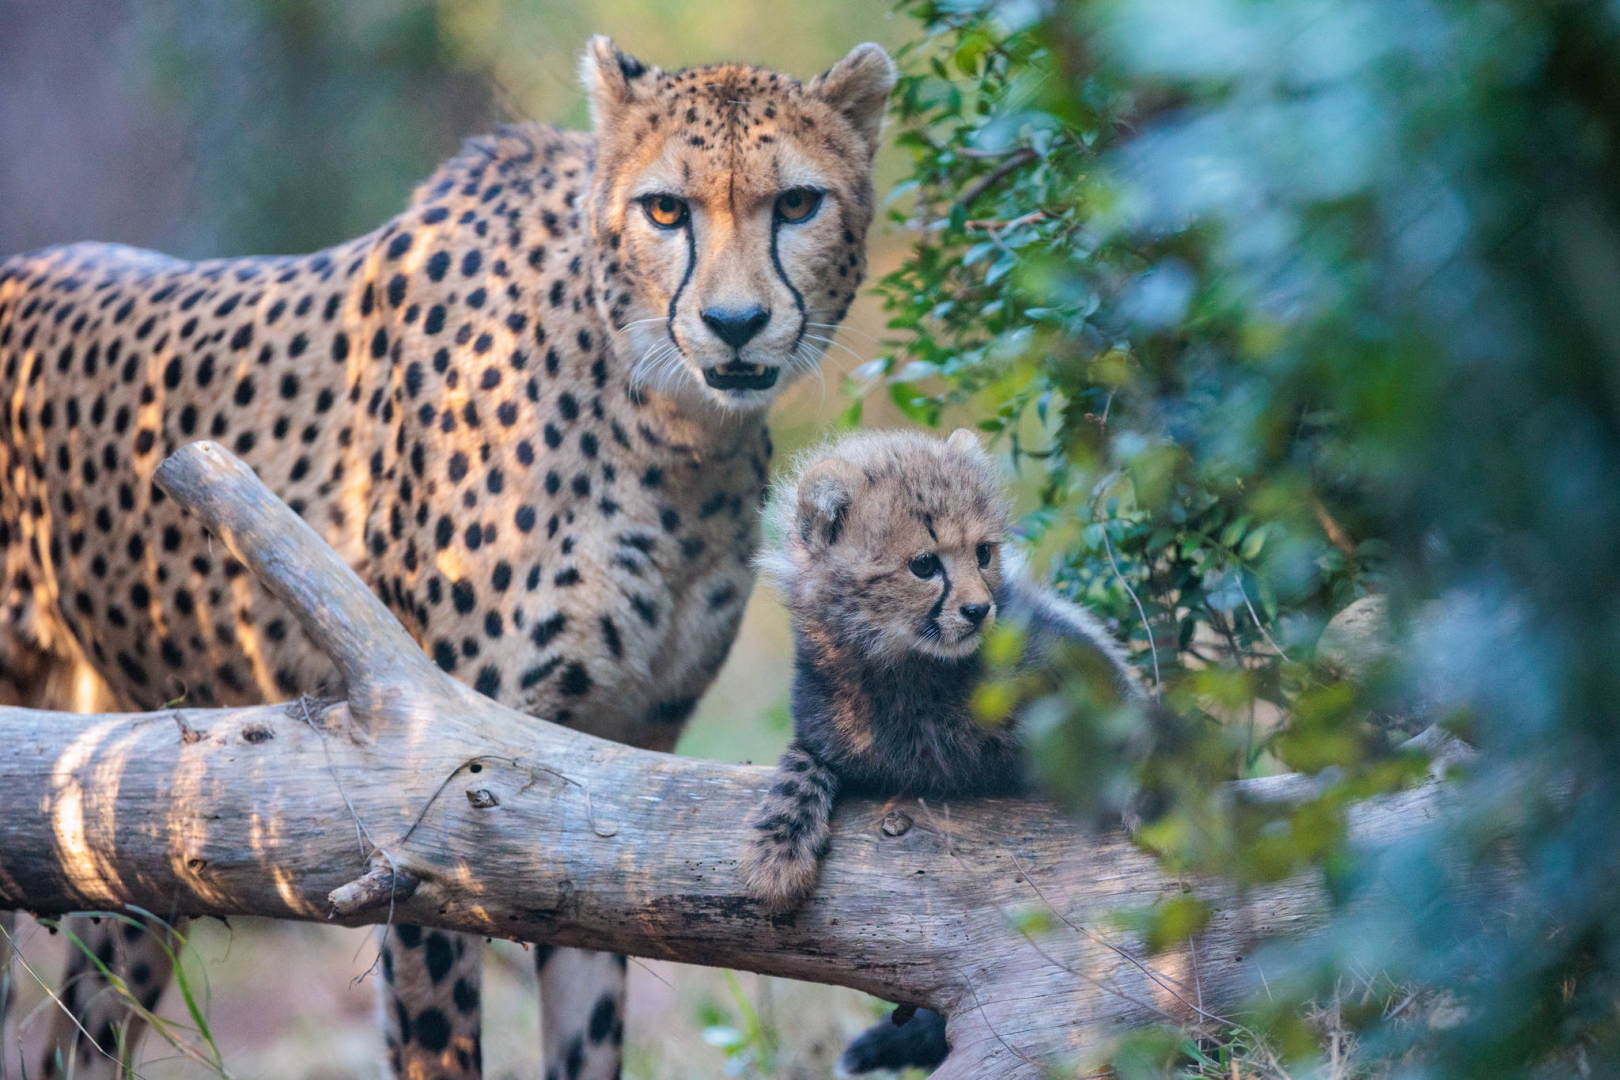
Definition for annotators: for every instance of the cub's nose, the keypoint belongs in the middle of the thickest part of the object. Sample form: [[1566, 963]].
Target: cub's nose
[[975, 613], [736, 328]]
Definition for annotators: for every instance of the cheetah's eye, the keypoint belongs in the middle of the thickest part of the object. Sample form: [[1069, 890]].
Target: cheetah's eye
[[984, 551], [797, 204], [925, 566], [665, 211]]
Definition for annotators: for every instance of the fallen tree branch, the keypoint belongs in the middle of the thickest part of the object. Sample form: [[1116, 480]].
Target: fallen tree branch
[[479, 819]]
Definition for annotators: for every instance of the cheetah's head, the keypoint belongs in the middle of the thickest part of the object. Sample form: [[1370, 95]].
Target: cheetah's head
[[891, 542], [729, 210]]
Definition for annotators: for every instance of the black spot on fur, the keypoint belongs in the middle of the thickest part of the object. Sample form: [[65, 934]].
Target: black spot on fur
[[432, 1030], [466, 997], [602, 1017], [437, 955]]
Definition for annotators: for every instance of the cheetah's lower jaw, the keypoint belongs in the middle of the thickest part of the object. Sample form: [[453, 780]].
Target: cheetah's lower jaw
[[740, 376]]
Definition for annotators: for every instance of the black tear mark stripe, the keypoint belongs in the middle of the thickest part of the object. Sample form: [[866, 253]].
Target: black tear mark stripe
[[939, 605], [798, 300], [691, 261]]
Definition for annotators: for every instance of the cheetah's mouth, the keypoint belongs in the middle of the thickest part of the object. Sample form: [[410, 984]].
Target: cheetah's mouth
[[739, 376]]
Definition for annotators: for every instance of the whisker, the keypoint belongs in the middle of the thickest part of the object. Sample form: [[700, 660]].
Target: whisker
[[859, 359], [844, 327], [647, 367], [821, 375], [627, 327]]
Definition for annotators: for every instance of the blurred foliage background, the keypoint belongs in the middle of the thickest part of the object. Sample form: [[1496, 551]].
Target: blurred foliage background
[[1274, 308], [1291, 304]]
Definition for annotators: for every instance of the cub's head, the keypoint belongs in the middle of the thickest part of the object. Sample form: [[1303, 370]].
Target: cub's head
[[890, 542], [729, 210]]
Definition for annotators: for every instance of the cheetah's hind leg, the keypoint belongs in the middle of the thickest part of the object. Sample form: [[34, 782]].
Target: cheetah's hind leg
[[430, 996], [132, 951], [783, 859], [581, 1013]]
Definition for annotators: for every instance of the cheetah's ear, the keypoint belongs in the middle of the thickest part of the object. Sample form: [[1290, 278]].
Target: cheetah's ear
[[858, 87], [964, 441], [826, 491], [610, 77]]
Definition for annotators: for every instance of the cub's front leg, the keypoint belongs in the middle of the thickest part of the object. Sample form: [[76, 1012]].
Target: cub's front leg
[[783, 859]]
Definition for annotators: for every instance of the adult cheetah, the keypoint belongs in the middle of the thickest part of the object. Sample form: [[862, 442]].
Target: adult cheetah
[[530, 411]]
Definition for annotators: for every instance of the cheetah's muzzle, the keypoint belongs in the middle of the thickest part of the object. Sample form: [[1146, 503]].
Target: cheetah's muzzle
[[740, 376]]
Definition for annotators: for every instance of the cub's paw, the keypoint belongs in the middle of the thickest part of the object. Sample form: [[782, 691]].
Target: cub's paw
[[915, 1043], [781, 875]]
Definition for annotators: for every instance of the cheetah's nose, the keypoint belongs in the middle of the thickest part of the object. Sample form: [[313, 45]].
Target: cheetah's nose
[[975, 613], [736, 328]]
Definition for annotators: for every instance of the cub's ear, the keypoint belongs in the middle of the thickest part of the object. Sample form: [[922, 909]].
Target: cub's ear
[[826, 491], [610, 77], [964, 441], [858, 87]]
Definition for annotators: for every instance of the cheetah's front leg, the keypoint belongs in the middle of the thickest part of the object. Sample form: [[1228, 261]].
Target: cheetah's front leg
[[783, 860]]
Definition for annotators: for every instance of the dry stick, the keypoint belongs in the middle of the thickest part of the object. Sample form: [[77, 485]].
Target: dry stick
[[1021, 157], [1335, 532], [1092, 979], [1157, 976], [1198, 987], [1153, 644], [361, 835], [997, 225], [1258, 624]]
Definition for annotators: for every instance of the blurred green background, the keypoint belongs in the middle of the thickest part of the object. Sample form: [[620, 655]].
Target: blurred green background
[[267, 126]]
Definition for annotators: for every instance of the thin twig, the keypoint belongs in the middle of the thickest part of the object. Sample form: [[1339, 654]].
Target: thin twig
[[988, 155], [1014, 1051], [362, 836], [1153, 645], [1335, 532], [360, 833], [997, 225], [1257, 623], [1015, 161], [1198, 986], [1048, 957], [1102, 421], [1158, 977], [532, 770]]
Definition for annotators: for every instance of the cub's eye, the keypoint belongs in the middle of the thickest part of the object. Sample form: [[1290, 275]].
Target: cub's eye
[[797, 204], [665, 211], [984, 551], [925, 566]]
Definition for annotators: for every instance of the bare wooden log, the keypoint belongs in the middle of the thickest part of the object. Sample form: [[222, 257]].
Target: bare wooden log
[[423, 802]]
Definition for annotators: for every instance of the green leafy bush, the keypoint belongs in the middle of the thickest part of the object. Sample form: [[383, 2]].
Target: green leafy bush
[[1289, 302]]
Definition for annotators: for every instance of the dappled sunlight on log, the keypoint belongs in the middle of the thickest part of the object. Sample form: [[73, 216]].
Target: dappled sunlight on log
[[84, 860]]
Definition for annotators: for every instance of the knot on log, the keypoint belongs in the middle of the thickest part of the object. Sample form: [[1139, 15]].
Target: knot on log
[[380, 885]]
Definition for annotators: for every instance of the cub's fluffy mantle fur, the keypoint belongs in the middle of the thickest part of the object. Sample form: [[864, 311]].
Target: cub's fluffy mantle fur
[[888, 551]]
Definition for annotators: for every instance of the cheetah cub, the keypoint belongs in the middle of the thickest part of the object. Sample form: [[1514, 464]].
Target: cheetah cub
[[888, 553]]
